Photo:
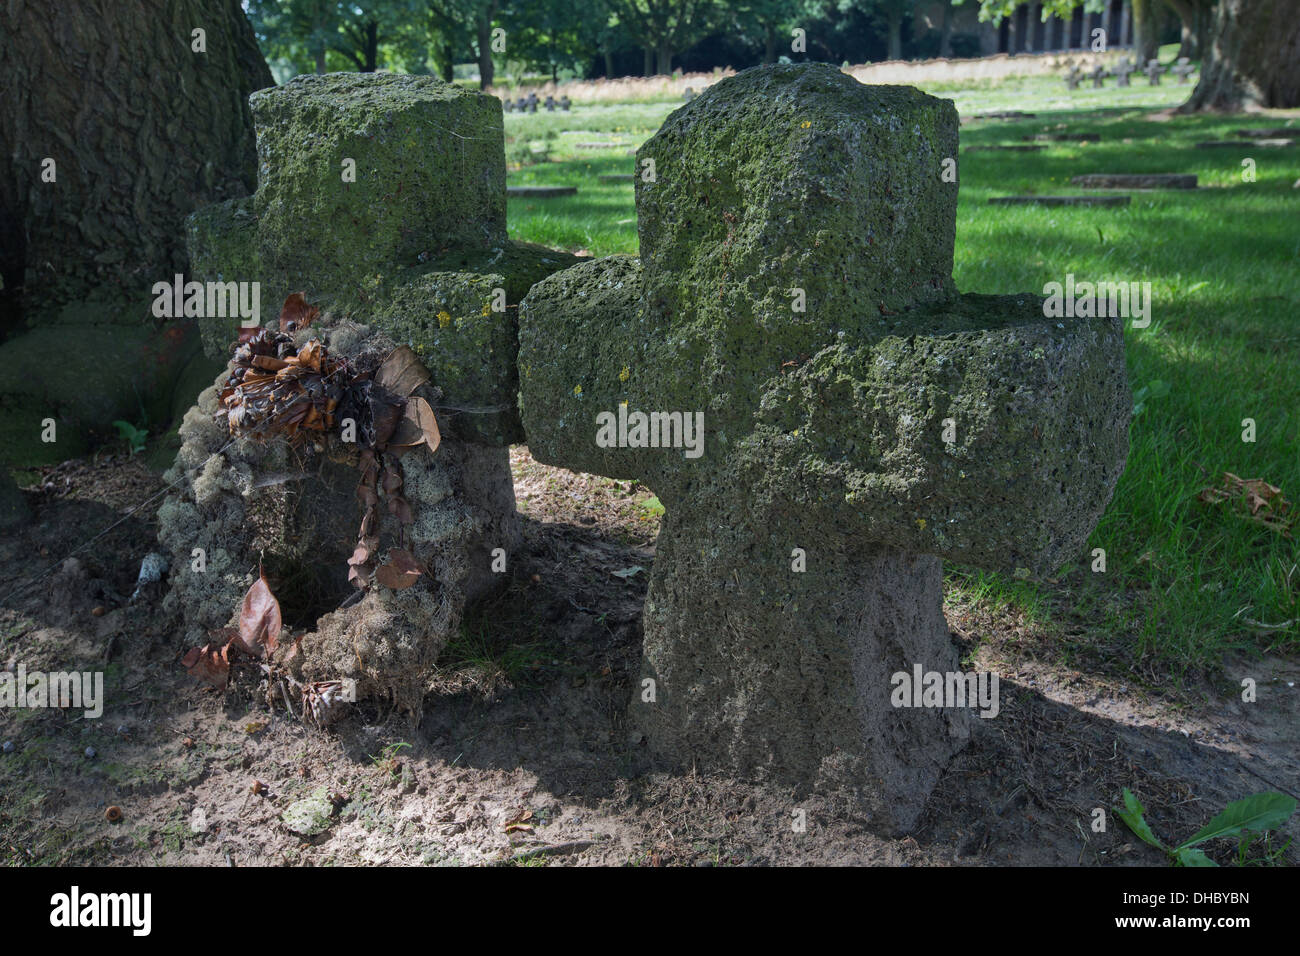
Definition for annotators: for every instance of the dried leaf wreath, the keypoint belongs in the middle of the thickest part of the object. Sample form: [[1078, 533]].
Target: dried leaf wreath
[[277, 389]]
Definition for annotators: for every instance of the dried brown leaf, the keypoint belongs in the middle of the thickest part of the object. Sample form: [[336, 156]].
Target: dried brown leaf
[[208, 664], [402, 372], [401, 571], [296, 314], [417, 427], [259, 618]]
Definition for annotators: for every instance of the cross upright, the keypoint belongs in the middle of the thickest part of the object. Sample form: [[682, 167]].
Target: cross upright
[[1153, 72], [1098, 75], [1183, 69], [1122, 70], [861, 420]]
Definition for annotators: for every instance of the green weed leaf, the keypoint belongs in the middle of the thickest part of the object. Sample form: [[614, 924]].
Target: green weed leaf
[[1132, 816], [1263, 811]]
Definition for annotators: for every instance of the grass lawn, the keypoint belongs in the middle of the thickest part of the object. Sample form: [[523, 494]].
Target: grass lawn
[[1184, 581]]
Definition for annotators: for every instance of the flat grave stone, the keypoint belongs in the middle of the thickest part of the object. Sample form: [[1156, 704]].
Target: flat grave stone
[[1135, 181], [1059, 200], [1263, 143], [1270, 132], [1065, 137], [540, 192]]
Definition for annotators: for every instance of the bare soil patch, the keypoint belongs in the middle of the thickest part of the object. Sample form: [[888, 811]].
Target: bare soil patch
[[522, 756]]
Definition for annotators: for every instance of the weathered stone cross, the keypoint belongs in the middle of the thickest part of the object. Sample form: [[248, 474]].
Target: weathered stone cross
[[1122, 70], [1153, 72], [861, 421]]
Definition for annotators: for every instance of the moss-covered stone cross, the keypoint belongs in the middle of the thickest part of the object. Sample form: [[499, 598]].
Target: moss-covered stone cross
[[861, 421], [383, 198]]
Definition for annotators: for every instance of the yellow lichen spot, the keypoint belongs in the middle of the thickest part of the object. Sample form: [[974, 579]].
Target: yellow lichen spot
[[487, 307], [805, 124], [920, 523], [795, 432], [577, 390], [624, 375], [444, 319]]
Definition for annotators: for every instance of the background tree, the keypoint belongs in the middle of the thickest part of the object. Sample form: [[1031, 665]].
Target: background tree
[[300, 32], [769, 22], [664, 27], [1250, 56], [141, 128]]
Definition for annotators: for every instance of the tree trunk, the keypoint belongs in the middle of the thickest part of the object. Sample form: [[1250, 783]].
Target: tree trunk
[[1145, 36], [945, 31], [320, 60], [648, 62], [665, 59], [769, 46], [895, 34], [142, 130], [372, 48], [609, 63], [1186, 12], [486, 68], [1252, 60], [447, 62]]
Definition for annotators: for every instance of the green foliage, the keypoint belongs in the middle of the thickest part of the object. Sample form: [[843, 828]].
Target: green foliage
[[1256, 814], [1156, 388], [653, 507], [132, 435]]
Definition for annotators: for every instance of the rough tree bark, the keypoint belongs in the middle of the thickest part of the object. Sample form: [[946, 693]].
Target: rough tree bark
[[1145, 31], [483, 29], [141, 130], [665, 58], [1186, 10], [1252, 58]]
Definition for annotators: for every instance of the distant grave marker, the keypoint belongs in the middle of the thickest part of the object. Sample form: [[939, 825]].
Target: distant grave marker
[[1066, 137], [1246, 143], [1006, 147], [1060, 200], [540, 192], [1135, 181], [1270, 132]]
